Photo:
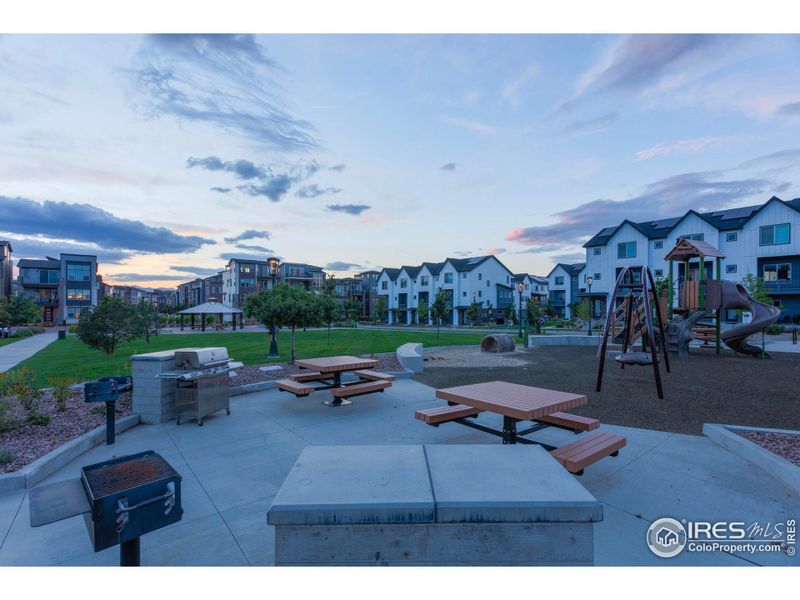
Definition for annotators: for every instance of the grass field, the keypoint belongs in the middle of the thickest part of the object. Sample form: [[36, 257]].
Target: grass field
[[71, 358], [7, 341]]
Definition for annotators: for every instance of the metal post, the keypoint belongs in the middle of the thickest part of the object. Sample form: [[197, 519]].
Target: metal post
[[111, 409], [520, 314], [671, 292], [130, 553], [701, 290], [273, 344], [590, 309], [719, 311]]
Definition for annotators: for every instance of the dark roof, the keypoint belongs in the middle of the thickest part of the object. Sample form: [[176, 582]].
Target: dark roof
[[412, 271], [296, 264], [539, 279], [38, 264], [723, 220], [467, 264], [392, 273], [370, 273], [6, 243], [434, 268], [572, 270]]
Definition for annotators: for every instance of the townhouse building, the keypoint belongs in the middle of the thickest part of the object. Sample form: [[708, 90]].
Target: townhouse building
[[62, 287], [482, 280], [566, 284], [6, 269], [763, 240], [535, 287]]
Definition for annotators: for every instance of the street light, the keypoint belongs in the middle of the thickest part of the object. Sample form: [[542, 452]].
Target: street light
[[474, 301], [520, 287], [272, 265], [589, 282]]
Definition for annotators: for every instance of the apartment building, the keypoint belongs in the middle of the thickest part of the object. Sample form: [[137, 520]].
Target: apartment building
[[565, 285], [302, 275], [361, 288], [62, 287], [190, 293], [131, 294], [6, 269], [483, 280], [242, 277], [763, 240]]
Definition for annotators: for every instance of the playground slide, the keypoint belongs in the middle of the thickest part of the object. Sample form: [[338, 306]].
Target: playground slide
[[764, 315]]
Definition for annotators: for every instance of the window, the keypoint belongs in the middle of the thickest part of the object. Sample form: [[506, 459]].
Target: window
[[464, 294], [560, 280], [77, 272], [626, 250], [80, 295], [480, 276], [731, 236], [448, 278], [48, 276], [246, 269], [74, 313], [384, 285], [778, 272], [480, 294], [771, 235], [247, 282], [424, 280], [658, 244], [527, 286], [777, 304], [404, 283], [692, 236], [730, 268], [464, 275], [659, 273], [488, 283], [598, 251], [596, 276]]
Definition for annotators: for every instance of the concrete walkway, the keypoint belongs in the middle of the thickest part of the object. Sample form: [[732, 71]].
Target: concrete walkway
[[13, 354], [233, 466]]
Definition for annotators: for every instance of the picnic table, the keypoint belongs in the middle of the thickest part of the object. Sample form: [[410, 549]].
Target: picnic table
[[519, 403], [326, 374]]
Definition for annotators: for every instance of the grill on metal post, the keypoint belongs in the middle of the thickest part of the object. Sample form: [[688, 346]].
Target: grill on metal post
[[107, 389], [121, 499]]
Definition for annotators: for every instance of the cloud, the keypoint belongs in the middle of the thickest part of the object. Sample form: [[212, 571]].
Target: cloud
[[775, 161], [139, 277], [36, 248], [350, 209], [690, 146], [569, 258], [221, 190], [595, 125], [273, 187], [199, 271], [789, 109], [338, 265], [313, 190], [223, 80], [255, 248], [337, 168], [243, 256], [243, 169], [495, 250], [476, 126], [89, 224], [539, 249], [511, 91], [249, 234], [462, 253], [669, 197], [448, 167]]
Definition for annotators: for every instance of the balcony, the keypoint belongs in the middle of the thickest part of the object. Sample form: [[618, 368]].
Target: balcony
[[783, 286]]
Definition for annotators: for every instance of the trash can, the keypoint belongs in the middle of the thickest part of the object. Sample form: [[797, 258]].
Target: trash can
[[62, 335]]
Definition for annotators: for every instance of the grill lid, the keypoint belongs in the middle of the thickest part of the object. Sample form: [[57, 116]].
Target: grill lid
[[197, 358]]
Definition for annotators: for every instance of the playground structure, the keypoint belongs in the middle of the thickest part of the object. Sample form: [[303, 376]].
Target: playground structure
[[636, 288], [702, 292]]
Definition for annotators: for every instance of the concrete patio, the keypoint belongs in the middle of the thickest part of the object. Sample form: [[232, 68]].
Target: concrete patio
[[234, 465]]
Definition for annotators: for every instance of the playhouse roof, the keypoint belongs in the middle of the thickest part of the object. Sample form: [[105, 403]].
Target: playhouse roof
[[686, 249]]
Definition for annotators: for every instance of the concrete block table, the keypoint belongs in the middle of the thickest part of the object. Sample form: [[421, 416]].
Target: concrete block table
[[410, 357], [153, 398], [432, 505]]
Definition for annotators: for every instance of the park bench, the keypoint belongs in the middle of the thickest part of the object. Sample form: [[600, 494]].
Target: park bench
[[374, 375], [309, 376], [571, 422], [587, 450], [443, 414], [358, 389], [295, 387]]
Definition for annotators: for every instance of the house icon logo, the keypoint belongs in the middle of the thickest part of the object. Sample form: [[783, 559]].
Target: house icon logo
[[666, 537]]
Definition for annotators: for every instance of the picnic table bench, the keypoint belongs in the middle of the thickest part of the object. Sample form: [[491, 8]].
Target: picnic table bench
[[518, 403]]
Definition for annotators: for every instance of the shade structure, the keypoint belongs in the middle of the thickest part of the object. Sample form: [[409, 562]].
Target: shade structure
[[214, 308]]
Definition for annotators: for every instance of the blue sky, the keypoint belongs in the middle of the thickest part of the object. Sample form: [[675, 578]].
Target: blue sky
[[166, 155]]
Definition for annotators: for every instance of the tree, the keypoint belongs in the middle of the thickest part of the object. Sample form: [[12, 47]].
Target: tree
[[473, 312], [109, 324], [329, 309], [581, 310], [22, 310], [509, 314], [146, 322], [756, 288], [440, 307], [534, 312], [381, 308], [351, 311], [422, 312], [284, 306], [5, 316]]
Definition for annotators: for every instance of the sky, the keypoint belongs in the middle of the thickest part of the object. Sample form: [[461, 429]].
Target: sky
[[167, 155]]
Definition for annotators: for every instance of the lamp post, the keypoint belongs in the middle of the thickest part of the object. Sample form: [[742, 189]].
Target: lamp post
[[520, 287], [589, 282], [272, 265], [474, 302]]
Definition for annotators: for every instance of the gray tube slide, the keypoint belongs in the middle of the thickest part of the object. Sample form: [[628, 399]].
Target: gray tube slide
[[734, 295]]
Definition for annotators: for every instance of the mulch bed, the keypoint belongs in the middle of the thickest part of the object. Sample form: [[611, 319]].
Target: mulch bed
[[785, 445], [27, 442]]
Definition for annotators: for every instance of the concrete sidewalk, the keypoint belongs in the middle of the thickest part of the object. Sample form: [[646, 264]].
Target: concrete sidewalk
[[13, 354], [234, 465]]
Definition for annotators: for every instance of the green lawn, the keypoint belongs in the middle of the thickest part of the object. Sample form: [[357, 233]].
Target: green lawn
[[7, 341], [71, 358]]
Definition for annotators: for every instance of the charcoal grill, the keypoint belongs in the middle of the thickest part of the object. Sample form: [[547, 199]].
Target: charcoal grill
[[202, 382], [121, 500]]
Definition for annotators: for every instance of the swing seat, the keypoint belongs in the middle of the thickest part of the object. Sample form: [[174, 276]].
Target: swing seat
[[642, 359]]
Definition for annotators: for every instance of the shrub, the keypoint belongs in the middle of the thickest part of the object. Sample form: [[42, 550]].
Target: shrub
[[37, 329], [774, 329], [22, 332], [6, 457], [62, 391], [20, 384], [72, 328], [6, 423]]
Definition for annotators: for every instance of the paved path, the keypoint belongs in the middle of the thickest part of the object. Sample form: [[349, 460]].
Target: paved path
[[234, 465], [13, 354]]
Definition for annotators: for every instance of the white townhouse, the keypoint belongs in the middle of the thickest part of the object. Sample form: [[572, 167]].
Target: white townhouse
[[535, 287], [483, 280], [763, 240], [566, 284]]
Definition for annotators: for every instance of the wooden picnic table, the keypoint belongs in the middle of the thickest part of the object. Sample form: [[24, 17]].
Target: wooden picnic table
[[332, 367], [514, 402]]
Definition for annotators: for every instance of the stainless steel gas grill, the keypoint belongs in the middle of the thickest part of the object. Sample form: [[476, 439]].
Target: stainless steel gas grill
[[121, 500], [202, 382]]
